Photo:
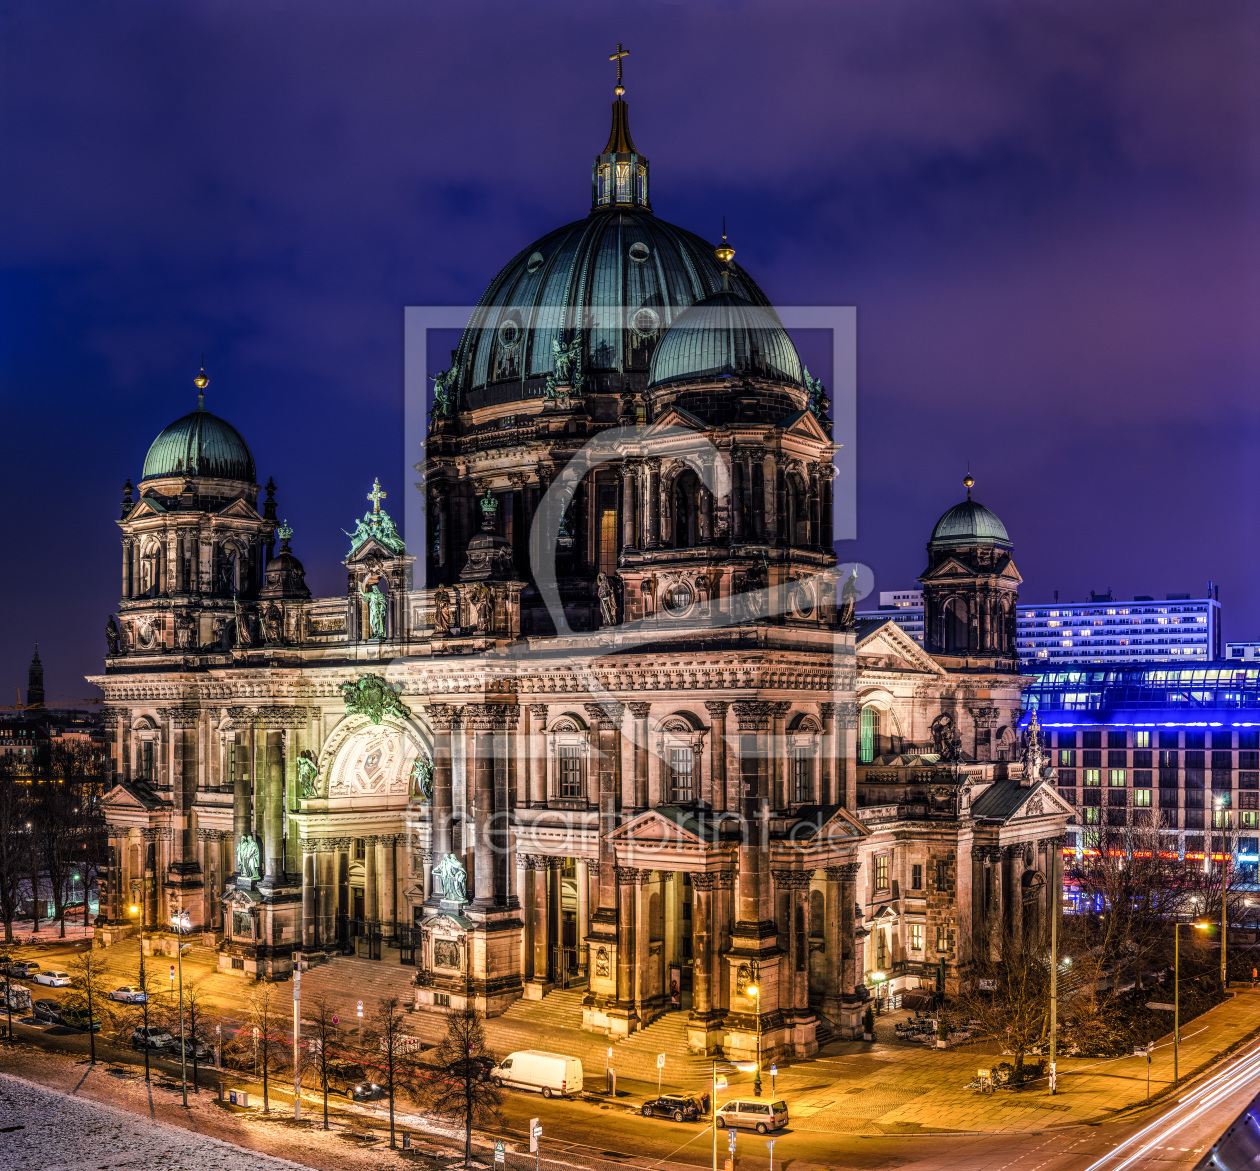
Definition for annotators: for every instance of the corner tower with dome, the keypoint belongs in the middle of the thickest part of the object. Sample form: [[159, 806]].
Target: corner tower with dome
[[618, 736]]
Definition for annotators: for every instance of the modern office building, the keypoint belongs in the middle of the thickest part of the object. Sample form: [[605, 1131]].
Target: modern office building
[[1173, 749], [1248, 652], [1103, 631]]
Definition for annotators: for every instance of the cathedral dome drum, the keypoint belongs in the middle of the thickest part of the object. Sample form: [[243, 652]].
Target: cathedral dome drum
[[966, 524]]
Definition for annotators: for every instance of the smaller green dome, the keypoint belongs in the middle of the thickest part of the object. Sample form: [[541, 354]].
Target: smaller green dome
[[725, 336], [200, 444], [969, 523]]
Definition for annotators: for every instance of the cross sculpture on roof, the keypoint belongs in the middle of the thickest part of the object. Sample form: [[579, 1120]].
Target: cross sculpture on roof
[[617, 56], [377, 494]]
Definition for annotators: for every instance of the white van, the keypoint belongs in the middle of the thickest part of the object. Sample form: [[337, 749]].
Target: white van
[[762, 1117], [533, 1069]]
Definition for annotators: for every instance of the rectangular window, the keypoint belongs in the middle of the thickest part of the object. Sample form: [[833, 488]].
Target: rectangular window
[[146, 760], [1091, 739], [1249, 760], [1141, 798], [1092, 797], [802, 780], [1116, 778], [1195, 739], [1249, 740], [1142, 760], [1093, 776], [866, 735], [942, 938], [681, 781], [1249, 800], [1168, 798], [916, 936], [881, 871], [608, 541], [1141, 739], [359, 850], [916, 877], [1092, 816], [1117, 798], [1194, 799], [1068, 795], [1249, 780], [1091, 759], [1247, 819], [1168, 759], [1142, 778], [1117, 739], [570, 770], [1222, 778], [1194, 778], [1222, 740], [1067, 758], [1117, 759], [942, 876], [1222, 759], [1065, 740], [1067, 777], [1168, 740]]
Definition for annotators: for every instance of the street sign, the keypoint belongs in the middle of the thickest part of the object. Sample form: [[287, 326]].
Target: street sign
[[774, 1070], [721, 1082], [360, 1008], [498, 1153], [660, 1061], [535, 1133], [730, 1137]]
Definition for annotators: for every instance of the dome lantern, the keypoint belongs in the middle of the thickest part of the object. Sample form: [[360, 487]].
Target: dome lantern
[[619, 178]]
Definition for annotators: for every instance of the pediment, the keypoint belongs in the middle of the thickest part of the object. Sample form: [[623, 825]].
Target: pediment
[[656, 830], [675, 416], [121, 798], [803, 423], [830, 824], [889, 642], [239, 509], [371, 551], [146, 506], [950, 567], [1043, 801]]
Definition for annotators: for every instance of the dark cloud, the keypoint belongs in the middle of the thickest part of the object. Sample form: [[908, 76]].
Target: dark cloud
[[1046, 215]]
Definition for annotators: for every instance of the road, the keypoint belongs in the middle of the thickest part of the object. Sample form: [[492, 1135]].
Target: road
[[596, 1135]]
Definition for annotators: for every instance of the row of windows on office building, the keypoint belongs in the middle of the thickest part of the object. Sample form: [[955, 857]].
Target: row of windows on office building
[[1163, 777]]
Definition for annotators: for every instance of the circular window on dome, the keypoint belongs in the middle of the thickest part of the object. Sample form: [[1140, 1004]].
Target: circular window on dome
[[535, 262], [639, 252], [645, 321], [509, 334], [678, 597]]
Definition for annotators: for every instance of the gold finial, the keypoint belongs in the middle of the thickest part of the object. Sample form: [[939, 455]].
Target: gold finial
[[617, 56], [967, 482], [201, 381], [724, 252]]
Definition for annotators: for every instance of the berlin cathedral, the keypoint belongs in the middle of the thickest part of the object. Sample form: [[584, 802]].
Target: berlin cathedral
[[626, 732]]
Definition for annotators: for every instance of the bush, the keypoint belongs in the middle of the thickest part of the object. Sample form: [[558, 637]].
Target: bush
[[868, 1021]]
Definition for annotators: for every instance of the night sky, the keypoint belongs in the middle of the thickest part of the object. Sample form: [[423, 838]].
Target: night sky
[[1045, 214]]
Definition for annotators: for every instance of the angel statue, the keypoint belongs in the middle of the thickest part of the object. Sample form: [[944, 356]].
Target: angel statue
[[376, 610], [307, 774], [816, 395], [607, 600], [565, 359], [451, 874], [111, 635], [443, 610], [443, 393], [422, 778]]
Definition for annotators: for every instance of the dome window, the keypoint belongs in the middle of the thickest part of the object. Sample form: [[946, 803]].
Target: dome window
[[645, 321], [643, 192], [604, 194], [623, 183], [678, 597], [509, 334], [639, 252], [535, 262]]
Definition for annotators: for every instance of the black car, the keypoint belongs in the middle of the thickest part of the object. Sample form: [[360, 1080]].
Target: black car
[[47, 1010], [366, 1092], [679, 1109]]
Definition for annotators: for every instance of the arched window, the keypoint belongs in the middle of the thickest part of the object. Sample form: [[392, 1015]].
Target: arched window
[[570, 745], [686, 510], [866, 735], [681, 741], [954, 635]]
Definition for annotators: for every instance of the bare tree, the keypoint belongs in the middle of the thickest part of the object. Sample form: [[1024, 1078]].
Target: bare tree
[[14, 844], [459, 1091], [197, 1017], [395, 1046], [88, 972], [147, 986], [323, 1022], [265, 1015]]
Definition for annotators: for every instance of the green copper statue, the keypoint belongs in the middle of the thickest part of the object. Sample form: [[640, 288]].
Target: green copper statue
[[818, 402], [565, 358], [247, 854], [373, 697], [376, 610], [443, 394], [422, 778], [451, 874], [307, 775]]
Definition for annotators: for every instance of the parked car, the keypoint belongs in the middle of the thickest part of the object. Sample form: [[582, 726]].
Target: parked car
[[756, 1115], [129, 994], [76, 1016], [679, 1109], [193, 1047], [366, 1092], [535, 1069], [23, 969], [47, 1010], [54, 978], [343, 1076], [154, 1037]]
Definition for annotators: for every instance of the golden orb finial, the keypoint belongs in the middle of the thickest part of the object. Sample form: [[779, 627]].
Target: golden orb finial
[[967, 482], [724, 252], [202, 380]]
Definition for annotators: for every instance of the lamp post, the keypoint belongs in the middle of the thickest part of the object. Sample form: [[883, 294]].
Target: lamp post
[[1177, 994], [1223, 818], [1054, 996], [183, 1044], [755, 993]]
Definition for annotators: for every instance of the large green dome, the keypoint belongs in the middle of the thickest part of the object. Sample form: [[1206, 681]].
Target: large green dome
[[200, 444], [725, 336], [969, 523]]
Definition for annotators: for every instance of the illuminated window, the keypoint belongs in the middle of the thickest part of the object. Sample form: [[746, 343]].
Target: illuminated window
[[608, 541], [881, 871], [1248, 819], [1093, 776], [1115, 778], [942, 938], [1142, 798], [1092, 814], [623, 182], [1141, 739], [916, 936], [643, 188], [866, 736]]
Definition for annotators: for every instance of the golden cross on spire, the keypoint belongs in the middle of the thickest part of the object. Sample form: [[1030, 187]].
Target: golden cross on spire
[[377, 494], [617, 56]]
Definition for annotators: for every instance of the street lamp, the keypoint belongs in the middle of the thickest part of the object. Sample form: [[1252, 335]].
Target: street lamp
[[1177, 992], [1223, 818], [755, 993], [183, 1044]]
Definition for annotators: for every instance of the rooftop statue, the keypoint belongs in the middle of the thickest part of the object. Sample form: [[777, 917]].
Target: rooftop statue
[[848, 601], [376, 610], [565, 359], [443, 394]]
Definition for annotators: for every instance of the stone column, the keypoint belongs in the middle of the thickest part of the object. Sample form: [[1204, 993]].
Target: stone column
[[241, 800], [387, 883], [779, 796], [719, 797], [651, 501], [702, 952], [845, 755], [537, 754], [583, 905], [770, 485], [308, 892], [127, 543], [640, 749], [326, 866], [739, 494], [484, 719], [555, 916], [370, 904], [1013, 895], [753, 897], [182, 723], [629, 497], [827, 773], [846, 874], [274, 823], [444, 718], [627, 879], [606, 760]]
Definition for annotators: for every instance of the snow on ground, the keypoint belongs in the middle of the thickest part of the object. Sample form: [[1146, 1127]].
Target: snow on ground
[[41, 1130]]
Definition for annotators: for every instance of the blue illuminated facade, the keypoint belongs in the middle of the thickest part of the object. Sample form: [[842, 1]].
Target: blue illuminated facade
[[1173, 749]]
